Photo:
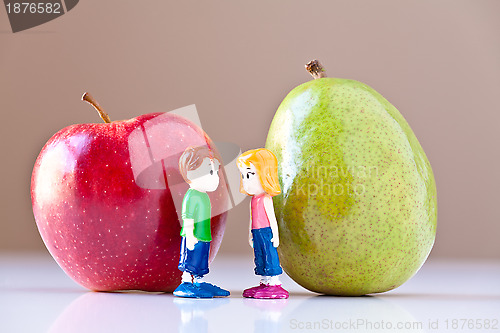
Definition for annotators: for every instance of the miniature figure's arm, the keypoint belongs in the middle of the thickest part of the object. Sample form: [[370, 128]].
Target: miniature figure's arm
[[191, 240], [250, 237], [188, 209], [268, 206]]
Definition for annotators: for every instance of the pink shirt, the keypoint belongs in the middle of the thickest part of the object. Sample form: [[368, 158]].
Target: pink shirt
[[259, 215]]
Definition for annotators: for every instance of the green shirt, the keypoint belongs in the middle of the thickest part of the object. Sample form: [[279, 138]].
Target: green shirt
[[196, 206]]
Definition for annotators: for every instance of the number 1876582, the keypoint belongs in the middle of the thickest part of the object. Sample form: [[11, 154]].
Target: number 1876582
[[34, 8]]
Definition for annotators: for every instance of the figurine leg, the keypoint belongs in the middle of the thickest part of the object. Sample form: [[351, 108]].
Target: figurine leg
[[266, 264], [193, 262], [187, 277], [273, 290]]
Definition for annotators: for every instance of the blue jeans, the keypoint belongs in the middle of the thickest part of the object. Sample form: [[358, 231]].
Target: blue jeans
[[267, 262], [194, 261]]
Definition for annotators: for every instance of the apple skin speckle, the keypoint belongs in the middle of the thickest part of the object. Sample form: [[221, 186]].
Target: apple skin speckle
[[106, 231], [358, 208]]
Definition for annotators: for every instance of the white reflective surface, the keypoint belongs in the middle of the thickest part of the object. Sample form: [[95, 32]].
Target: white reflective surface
[[36, 296]]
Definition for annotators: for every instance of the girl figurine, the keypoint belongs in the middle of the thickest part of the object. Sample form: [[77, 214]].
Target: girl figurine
[[259, 179]]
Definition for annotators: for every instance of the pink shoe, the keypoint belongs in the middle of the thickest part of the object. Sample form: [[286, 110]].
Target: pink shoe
[[248, 293], [271, 292]]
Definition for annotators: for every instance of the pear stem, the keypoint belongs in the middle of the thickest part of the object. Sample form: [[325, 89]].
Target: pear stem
[[89, 99], [315, 69]]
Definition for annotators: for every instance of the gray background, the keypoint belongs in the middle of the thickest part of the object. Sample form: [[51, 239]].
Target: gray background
[[438, 62]]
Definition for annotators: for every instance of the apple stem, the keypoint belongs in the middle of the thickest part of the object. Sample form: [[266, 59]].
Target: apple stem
[[315, 69], [89, 99]]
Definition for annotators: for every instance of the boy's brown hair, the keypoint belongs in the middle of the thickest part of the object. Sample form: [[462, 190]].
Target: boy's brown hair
[[192, 158]]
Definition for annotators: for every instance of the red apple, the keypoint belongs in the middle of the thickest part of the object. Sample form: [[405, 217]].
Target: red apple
[[105, 197]]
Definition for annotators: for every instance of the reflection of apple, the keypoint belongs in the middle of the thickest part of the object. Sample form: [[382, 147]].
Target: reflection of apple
[[105, 196], [139, 312], [118, 312]]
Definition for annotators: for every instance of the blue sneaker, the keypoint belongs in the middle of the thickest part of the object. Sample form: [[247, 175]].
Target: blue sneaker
[[189, 290], [213, 289]]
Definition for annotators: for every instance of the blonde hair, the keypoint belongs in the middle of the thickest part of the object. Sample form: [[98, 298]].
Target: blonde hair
[[267, 169]]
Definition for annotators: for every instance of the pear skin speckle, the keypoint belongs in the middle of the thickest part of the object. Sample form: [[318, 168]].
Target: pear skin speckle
[[358, 208]]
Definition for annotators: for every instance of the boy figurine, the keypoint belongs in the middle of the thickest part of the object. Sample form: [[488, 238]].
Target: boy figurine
[[200, 169]]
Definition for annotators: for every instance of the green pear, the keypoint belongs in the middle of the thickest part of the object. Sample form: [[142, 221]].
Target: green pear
[[358, 209]]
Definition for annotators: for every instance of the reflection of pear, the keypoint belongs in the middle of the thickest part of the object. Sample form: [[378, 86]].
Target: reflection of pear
[[363, 314], [357, 212]]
